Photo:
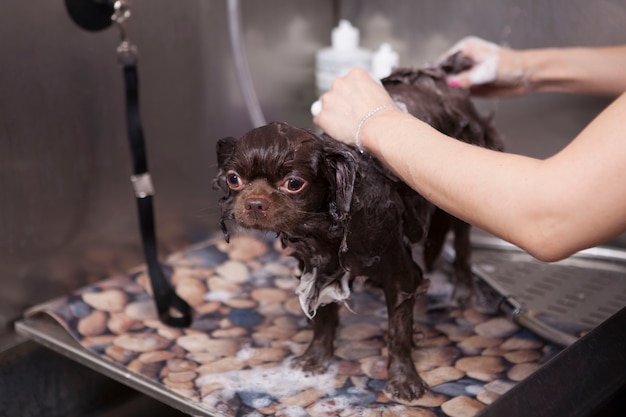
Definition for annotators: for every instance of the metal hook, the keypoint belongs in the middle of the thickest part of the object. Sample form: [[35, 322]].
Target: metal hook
[[126, 51], [121, 11]]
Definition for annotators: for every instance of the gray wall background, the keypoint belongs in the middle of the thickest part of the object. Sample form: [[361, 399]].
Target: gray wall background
[[67, 213]]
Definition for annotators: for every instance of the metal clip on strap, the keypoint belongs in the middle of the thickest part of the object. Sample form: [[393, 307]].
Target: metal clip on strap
[[142, 184], [172, 309]]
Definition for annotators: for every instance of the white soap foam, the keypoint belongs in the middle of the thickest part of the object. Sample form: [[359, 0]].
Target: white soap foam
[[278, 381]]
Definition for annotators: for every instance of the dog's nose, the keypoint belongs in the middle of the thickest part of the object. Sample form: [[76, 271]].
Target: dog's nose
[[257, 206]]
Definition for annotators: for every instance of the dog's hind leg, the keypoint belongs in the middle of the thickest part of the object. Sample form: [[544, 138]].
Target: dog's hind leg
[[438, 228], [320, 352], [440, 224], [401, 288], [464, 289]]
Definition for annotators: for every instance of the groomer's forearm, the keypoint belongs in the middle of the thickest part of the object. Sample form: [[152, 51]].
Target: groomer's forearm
[[465, 180], [597, 71]]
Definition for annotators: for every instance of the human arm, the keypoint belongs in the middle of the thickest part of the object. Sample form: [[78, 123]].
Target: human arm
[[501, 71], [551, 208]]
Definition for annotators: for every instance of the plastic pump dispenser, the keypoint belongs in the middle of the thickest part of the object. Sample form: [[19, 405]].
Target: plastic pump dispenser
[[384, 60], [343, 55]]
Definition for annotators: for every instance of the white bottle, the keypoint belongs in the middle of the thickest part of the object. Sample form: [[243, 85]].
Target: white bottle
[[343, 55], [384, 60]]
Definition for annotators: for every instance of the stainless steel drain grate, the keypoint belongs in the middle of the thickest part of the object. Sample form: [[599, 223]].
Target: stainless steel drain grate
[[587, 288], [581, 291]]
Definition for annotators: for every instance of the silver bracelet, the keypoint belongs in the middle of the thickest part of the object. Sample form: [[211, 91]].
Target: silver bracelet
[[357, 139]]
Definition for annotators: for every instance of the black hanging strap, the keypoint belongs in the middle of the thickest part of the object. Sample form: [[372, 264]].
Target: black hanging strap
[[95, 15], [172, 309]]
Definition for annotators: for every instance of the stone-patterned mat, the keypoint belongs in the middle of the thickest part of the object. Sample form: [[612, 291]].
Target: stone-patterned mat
[[234, 359]]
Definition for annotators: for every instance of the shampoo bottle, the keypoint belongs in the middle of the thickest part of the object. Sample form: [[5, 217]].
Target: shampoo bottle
[[343, 55]]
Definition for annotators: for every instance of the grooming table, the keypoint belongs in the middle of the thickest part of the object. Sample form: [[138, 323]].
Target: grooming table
[[234, 360]]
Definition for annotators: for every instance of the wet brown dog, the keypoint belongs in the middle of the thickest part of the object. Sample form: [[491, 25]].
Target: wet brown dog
[[345, 215]]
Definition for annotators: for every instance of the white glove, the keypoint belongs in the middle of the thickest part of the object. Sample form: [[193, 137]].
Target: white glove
[[486, 56]]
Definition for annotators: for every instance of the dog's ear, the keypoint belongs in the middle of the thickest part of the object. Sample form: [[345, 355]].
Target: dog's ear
[[340, 167], [225, 148]]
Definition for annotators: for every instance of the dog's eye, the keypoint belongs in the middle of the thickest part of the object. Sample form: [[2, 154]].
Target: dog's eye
[[234, 181], [293, 185]]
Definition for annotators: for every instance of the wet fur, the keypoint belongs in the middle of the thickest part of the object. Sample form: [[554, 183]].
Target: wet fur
[[354, 218]]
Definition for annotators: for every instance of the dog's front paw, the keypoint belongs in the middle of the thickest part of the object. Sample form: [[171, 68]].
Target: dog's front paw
[[312, 362], [405, 390], [464, 295]]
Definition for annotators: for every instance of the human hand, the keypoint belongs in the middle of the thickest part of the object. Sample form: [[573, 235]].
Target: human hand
[[351, 98], [497, 71]]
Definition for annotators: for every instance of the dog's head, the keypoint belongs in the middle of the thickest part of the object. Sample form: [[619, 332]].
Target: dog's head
[[284, 179]]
